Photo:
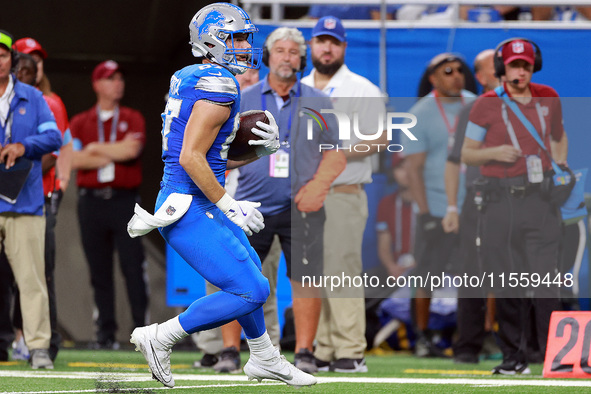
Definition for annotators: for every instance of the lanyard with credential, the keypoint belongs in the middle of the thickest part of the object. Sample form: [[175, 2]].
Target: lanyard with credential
[[101, 127], [451, 130], [285, 142], [8, 128], [507, 102]]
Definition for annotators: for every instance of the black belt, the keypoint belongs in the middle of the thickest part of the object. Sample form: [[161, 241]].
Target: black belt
[[507, 182], [517, 186], [105, 193]]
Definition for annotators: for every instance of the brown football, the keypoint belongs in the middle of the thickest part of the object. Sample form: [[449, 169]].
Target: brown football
[[239, 148]]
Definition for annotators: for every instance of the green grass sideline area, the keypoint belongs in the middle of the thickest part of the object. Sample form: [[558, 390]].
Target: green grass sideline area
[[85, 371]]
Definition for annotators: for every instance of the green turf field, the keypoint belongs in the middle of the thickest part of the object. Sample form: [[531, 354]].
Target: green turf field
[[86, 371]]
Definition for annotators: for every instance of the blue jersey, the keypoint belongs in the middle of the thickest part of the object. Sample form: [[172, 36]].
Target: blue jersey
[[204, 237], [197, 82]]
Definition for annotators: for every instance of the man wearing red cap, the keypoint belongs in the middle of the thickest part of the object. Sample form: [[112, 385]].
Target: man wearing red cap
[[521, 227], [108, 141], [52, 182]]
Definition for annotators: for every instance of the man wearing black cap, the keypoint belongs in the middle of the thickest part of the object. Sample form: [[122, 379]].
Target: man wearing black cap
[[436, 123], [108, 141], [521, 227], [27, 131], [341, 330]]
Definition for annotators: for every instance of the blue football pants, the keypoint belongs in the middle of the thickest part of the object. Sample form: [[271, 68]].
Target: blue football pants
[[220, 252]]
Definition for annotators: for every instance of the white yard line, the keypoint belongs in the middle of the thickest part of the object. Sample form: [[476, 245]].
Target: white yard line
[[142, 377], [135, 389]]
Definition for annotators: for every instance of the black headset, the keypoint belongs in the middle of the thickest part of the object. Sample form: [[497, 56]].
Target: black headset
[[498, 58], [303, 58]]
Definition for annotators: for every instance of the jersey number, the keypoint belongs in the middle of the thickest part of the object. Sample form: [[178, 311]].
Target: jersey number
[[172, 110]]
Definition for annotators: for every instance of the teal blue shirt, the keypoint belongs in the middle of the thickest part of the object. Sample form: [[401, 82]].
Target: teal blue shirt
[[434, 139]]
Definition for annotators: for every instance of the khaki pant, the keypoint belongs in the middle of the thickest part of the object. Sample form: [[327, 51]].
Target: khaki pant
[[210, 341], [23, 237], [341, 329]]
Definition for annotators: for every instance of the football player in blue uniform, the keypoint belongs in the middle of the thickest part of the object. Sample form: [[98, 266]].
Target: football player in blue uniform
[[195, 215]]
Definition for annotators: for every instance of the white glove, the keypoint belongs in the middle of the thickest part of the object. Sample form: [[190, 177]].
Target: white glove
[[269, 134], [243, 213]]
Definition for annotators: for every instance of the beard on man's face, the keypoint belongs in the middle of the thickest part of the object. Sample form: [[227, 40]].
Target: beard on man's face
[[327, 69]]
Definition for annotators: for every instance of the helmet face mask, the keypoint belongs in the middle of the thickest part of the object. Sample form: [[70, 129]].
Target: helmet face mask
[[215, 31]]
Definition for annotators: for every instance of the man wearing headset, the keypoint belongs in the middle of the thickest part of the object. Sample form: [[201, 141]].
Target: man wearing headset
[[521, 228], [292, 183], [27, 131]]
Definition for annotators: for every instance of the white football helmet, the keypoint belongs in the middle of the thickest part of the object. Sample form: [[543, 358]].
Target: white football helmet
[[211, 27]]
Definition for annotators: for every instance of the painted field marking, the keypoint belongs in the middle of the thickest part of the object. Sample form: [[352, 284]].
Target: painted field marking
[[448, 372], [135, 389], [84, 364], [135, 377]]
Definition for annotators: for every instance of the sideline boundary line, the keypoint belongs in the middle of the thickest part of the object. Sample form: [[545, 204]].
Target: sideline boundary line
[[144, 377]]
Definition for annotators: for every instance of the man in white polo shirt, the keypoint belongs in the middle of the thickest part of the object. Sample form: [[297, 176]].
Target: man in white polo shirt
[[341, 330]]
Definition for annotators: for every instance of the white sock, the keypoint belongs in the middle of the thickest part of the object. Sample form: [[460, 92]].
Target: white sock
[[170, 332], [261, 347]]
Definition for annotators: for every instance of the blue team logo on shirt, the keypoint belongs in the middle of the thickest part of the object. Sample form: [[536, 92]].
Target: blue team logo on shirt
[[214, 18]]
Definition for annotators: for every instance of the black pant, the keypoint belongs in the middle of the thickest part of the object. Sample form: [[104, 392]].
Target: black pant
[[516, 324], [521, 234], [6, 295], [103, 228], [471, 314], [435, 251], [50, 223], [302, 241]]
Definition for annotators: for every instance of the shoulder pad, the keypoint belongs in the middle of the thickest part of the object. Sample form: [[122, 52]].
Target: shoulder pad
[[212, 82]]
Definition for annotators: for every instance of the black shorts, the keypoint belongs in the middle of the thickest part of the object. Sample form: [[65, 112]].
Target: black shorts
[[302, 241], [435, 254]]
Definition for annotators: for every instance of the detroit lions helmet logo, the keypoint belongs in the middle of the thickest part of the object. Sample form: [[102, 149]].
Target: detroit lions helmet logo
[[214, 18]]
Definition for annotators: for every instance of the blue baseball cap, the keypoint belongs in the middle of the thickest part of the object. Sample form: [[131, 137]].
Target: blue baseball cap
[[330, 26]]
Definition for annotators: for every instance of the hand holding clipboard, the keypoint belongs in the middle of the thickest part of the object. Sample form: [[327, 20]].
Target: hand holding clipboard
[[14, 170], [10, 153]]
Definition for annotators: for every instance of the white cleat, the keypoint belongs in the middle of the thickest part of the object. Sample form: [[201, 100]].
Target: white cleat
[[157, 356], [277, 368]]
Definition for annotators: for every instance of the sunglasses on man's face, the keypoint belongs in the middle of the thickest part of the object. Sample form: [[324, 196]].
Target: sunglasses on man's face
[[450, 70]]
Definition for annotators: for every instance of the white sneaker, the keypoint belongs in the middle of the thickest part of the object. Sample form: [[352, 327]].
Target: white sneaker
[[157, 356], [40, 359], [277, 368]]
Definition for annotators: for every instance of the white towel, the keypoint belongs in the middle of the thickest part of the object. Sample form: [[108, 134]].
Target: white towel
[[142, 222]]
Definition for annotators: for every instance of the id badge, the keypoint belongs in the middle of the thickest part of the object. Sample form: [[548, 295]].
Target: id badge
[[106, 173], [535, 173], [279, 164], [451, 139]]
